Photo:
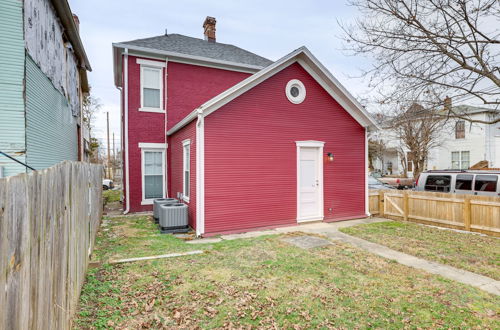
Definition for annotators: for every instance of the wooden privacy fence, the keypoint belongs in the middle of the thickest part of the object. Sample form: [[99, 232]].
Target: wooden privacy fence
[[48, 221], [465, 212]]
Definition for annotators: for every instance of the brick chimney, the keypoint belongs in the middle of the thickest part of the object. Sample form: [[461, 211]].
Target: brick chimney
[[209, 28], [77, 23]]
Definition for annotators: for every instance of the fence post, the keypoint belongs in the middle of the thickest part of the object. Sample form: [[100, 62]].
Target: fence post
[[405, 206], [381, 203], [467, 211]]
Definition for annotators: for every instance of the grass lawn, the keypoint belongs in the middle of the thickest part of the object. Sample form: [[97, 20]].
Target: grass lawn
[[478, 254], [134, 236], [267, 283]]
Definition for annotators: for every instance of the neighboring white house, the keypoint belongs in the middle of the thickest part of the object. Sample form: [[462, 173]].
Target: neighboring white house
[[462, 144]]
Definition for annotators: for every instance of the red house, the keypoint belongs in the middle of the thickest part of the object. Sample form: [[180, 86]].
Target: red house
[[248, 143]]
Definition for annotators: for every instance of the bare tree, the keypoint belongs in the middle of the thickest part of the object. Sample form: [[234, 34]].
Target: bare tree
[[376, 149], [418, 130], [90, 106], [449, 47]]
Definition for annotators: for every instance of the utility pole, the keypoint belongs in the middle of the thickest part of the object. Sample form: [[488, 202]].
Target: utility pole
[[114, 156], [109, 160]]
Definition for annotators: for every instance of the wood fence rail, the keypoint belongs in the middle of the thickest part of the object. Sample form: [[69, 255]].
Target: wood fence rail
[[458, 211], [48, 222]]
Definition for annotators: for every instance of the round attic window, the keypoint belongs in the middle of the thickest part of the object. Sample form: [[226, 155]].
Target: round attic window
[[295, 91]]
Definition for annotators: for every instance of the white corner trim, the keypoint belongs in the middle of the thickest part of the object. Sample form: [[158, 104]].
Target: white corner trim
[[200, 175], [146, 145], [310, 143], [155, 64], [157, 110], [302, 91], [367, 197], [127, 149]]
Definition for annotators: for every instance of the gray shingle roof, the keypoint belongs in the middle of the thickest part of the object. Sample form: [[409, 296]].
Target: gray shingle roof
[[198, 47]]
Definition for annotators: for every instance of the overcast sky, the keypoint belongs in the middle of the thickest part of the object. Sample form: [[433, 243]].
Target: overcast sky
[[269, 28]]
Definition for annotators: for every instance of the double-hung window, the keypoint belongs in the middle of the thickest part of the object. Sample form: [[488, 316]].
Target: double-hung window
[[151, 88], [153, 171], [151, 85], [460, 160], [186, 169]]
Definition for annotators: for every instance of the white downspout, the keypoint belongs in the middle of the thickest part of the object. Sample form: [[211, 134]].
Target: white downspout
[[165, 100], [200, 174], [367, 197], [125, 107]]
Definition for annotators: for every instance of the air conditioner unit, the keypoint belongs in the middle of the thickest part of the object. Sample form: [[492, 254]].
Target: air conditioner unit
[[174, 218], [156, 206]]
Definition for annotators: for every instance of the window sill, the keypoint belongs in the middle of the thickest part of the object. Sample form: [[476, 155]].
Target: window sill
[[152, 110], [147, 202], [186, 199]]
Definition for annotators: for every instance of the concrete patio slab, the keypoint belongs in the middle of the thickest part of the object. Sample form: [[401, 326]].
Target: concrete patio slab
[[307, 242]]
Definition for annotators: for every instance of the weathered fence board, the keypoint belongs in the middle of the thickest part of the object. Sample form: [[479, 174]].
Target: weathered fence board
[[466, 212], [48, 222]]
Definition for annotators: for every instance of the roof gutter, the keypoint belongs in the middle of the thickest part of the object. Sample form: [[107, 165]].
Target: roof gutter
[[66, 17]]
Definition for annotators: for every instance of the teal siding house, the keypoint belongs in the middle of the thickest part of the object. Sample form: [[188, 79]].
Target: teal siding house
[[43, 77]]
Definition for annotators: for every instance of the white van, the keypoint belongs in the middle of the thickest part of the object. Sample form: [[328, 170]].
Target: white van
[[460, 182]]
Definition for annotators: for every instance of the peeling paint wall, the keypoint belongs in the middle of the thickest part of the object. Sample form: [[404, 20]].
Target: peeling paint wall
[[44, 42]]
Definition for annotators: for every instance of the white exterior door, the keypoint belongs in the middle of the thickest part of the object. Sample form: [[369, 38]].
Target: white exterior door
[[309, 181]]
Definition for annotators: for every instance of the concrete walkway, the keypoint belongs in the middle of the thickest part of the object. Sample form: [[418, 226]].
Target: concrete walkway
[[331, 231]]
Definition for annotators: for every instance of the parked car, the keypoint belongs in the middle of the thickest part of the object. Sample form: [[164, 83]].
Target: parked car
[[107, 184], [460, 182], [399, 183], [374, 183]]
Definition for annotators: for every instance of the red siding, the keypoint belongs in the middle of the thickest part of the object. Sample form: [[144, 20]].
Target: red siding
[[175, 164], [250, 156], [189, 86], [145, 127]]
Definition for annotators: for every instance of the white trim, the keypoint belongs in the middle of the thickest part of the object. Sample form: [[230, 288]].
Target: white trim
[[161, 109], [302, 91], [157, 110], [305, 58], [200, 176], [149, 201], [321, 207], [165, 124], [152, 145], [154, 64], [178, 56], [127, 151], [186, 143], [367, 197], [310, 143]]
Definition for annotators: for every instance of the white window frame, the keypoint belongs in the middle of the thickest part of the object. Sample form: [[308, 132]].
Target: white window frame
[[186, 144], [460, 158], [151, 147], [302, 91], [152, 65]]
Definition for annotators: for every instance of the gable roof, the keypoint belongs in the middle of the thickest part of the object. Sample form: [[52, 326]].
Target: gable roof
[[307, 60], [178, 43]]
